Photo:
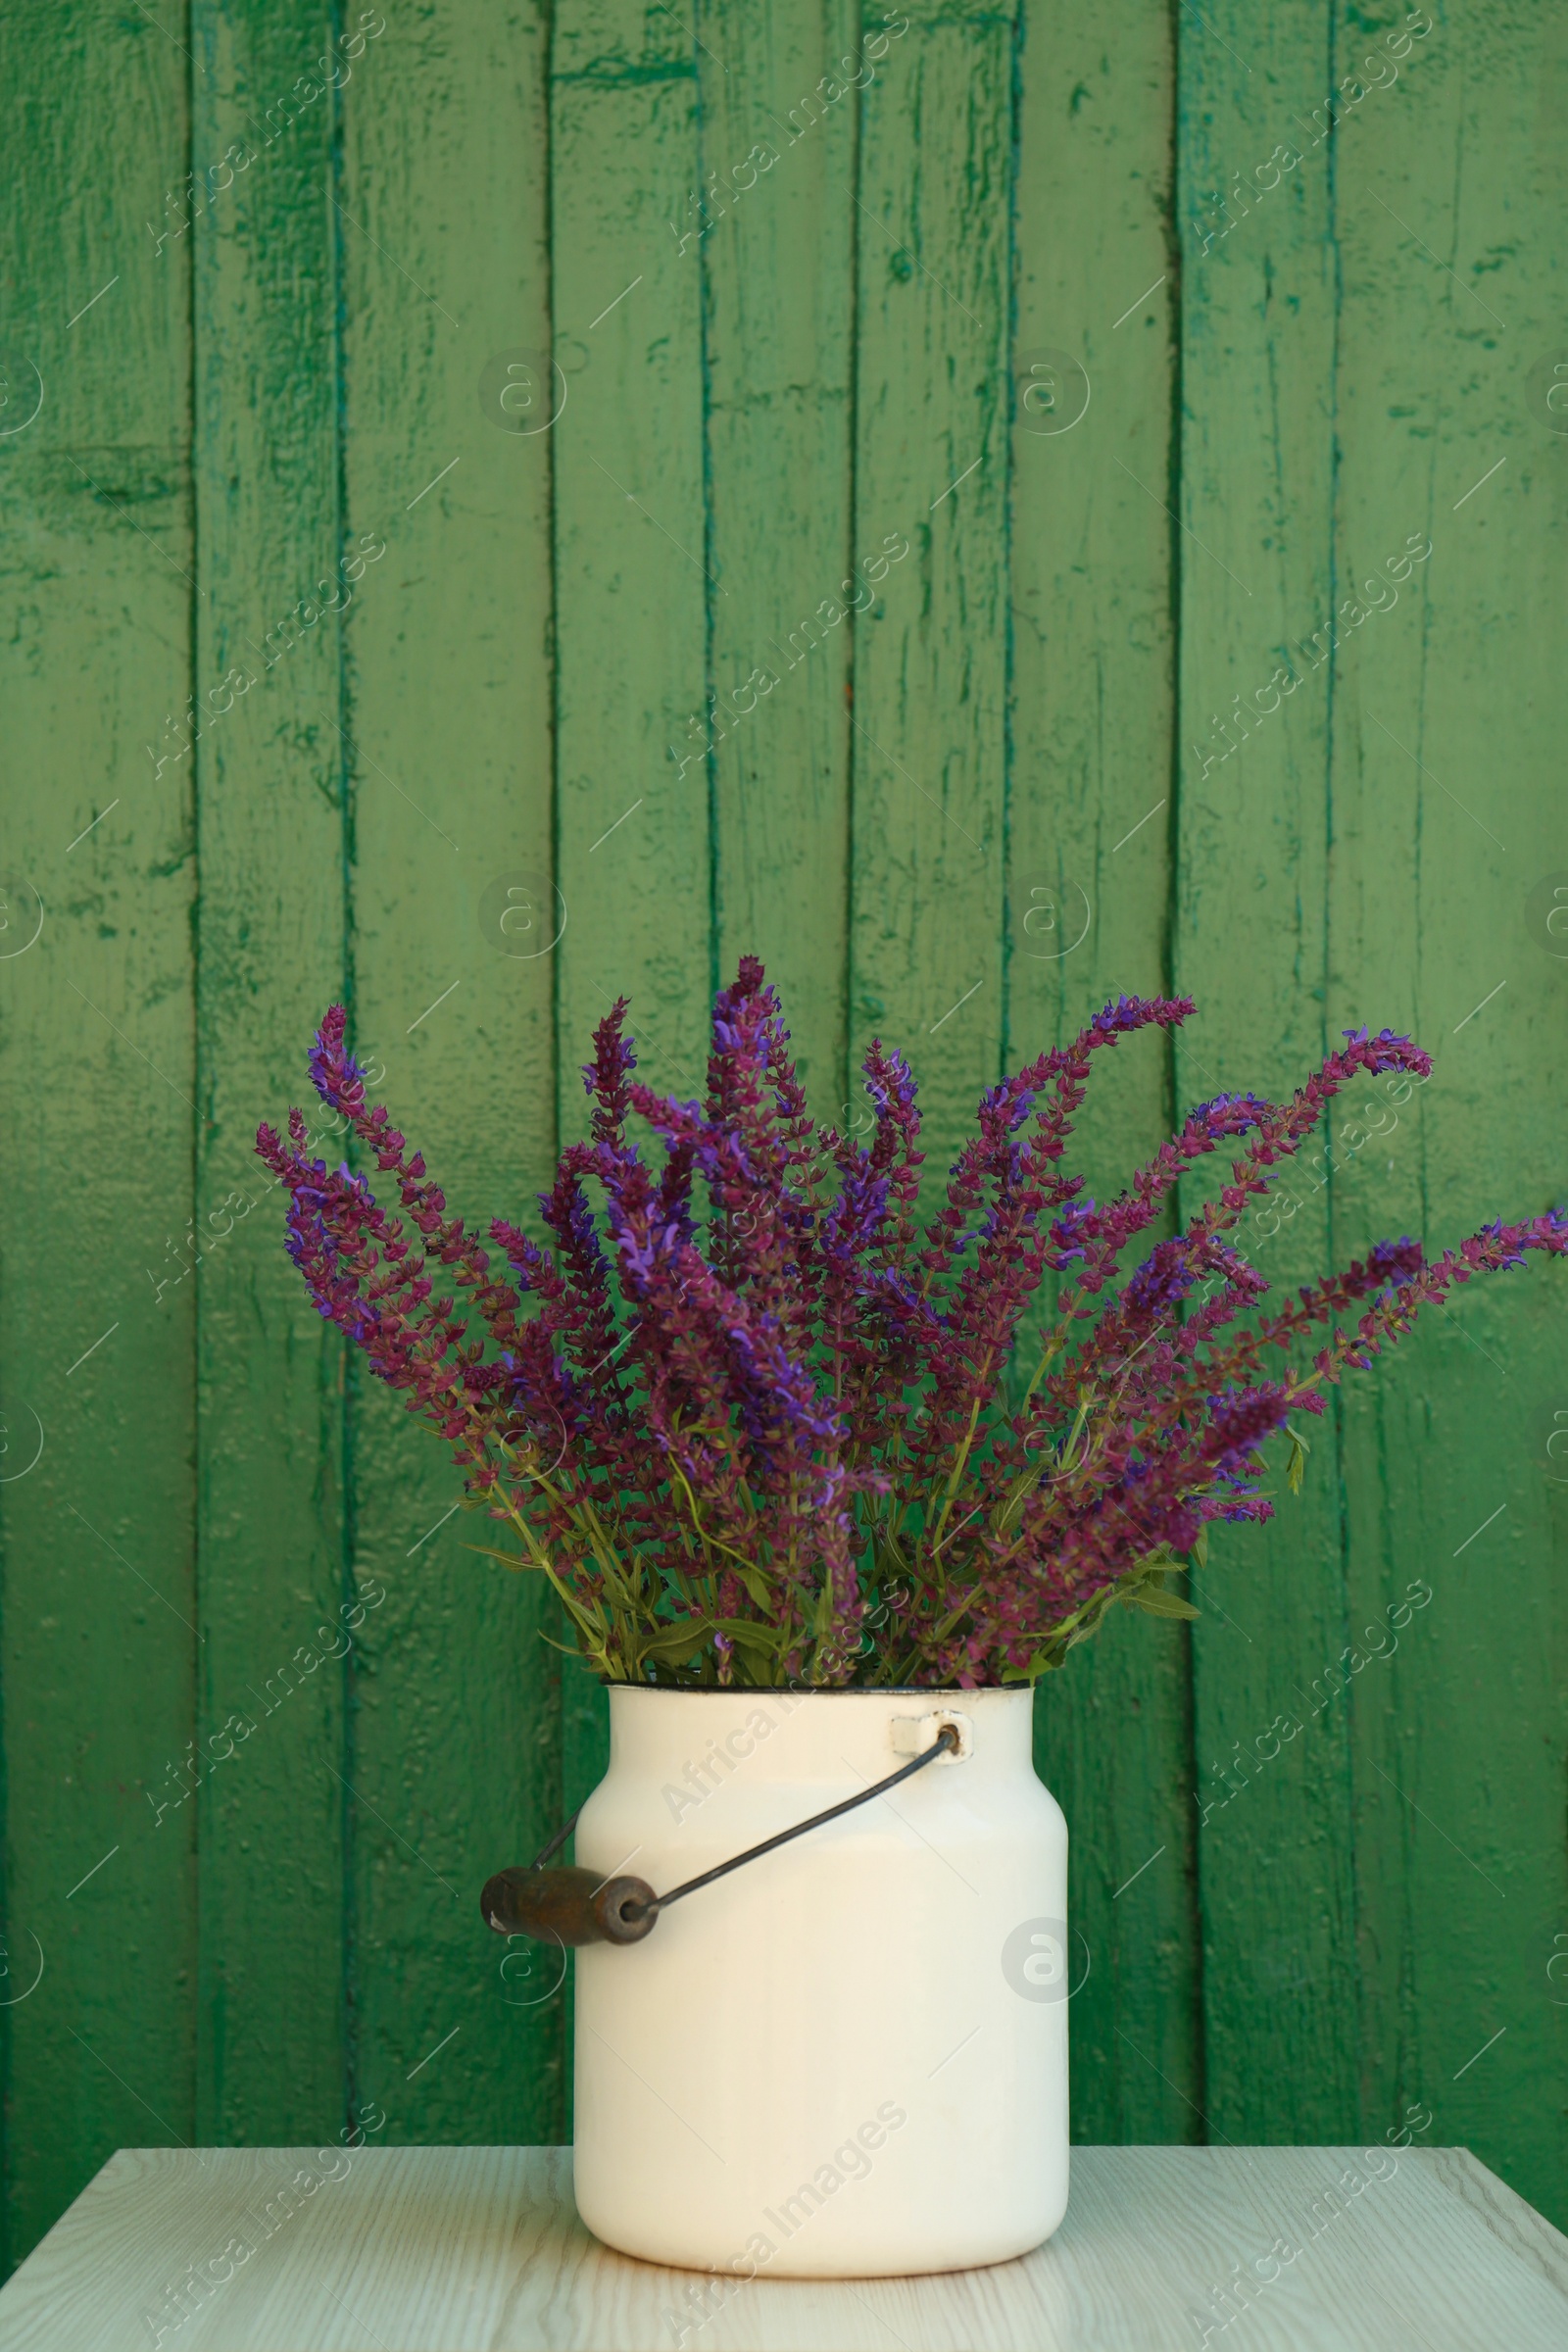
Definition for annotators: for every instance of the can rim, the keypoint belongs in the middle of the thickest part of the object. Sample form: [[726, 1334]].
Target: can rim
[[760, 1690]]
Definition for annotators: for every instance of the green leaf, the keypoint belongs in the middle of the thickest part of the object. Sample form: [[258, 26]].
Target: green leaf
[[507, 1559], [674, 1647], [1160, 1603], [750, 1634], [757, 1586], [1296, 1467]]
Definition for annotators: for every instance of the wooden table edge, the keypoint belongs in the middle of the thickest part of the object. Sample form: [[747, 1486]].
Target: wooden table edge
[[1518, 2229], [1510, 2217]]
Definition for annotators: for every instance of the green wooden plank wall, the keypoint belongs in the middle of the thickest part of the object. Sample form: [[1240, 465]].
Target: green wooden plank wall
[[505, 505]]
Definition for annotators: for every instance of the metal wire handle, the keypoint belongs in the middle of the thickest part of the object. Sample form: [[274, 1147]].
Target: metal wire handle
[[578, 1906], [946, 1739]]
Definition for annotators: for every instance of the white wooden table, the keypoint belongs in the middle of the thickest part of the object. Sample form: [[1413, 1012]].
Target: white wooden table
[[452, 2249]]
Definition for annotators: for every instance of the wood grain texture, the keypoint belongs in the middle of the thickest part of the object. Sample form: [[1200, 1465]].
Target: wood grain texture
[[443, 2250], [631, 573], [272, 842], [930, 676], [774, 238], [1460, 1742], [632, 578], [1256, 569], [97, 1635], [1524, 2230], [1092, 702], [448, 698]]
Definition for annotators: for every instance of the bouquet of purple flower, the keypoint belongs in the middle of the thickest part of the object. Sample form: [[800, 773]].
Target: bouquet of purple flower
[[759, 1427]]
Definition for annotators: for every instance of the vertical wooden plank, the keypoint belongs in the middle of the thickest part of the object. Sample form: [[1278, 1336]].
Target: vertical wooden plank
[[1093, 700], [632, 566], [1256, 574], [1451, 213], [633, 573], [932, 210], [775, 239], [97, 1638], [270, 841], [454, 1736]]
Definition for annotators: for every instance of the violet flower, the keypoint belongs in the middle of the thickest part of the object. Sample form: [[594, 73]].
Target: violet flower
[[756, 1422]]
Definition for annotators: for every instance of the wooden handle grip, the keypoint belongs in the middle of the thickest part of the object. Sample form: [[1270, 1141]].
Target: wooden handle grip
[[568, 1906]]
